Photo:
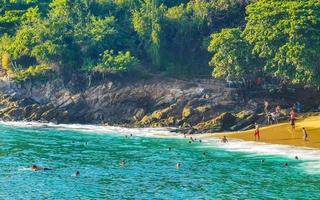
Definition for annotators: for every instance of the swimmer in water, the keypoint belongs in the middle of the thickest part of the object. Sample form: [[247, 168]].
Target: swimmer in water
[[131, 135], [77, 173], [38, 168], [224, 139], [296, 157], [262, 161], [178, 165], [190, 142], [286, 164], [169, 149], [200, 141], [204, 153], [123, 162]]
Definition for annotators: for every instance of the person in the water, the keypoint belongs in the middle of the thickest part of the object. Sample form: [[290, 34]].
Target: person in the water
[[178, 165], [38, 168], [224, 139], [296, 157], [77, 173], [169, 148], [286, 165], [123, 162]]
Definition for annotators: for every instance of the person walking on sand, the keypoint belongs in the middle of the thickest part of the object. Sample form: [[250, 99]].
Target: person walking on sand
[[256, 132], [292, 119], [305, 134]]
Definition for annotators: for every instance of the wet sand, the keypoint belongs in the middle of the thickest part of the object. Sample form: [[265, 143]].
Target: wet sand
[[282, 133]]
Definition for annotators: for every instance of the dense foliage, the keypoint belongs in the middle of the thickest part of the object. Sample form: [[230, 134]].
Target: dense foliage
[[284, 35], [113, 35], [274, 37]]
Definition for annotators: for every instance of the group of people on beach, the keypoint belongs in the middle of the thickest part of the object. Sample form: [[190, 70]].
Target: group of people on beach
[[272, 117]]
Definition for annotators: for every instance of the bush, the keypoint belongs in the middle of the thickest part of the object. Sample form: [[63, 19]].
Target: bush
[[39, 71], [115, 63]]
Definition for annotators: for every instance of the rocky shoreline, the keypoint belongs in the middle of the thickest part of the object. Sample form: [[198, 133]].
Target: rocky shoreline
[[192, 106]]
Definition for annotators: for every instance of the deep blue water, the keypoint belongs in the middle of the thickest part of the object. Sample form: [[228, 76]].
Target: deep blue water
[[149, 173]]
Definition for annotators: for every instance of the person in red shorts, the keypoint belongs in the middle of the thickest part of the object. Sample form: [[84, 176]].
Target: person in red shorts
[[256, 132], [292, 119]]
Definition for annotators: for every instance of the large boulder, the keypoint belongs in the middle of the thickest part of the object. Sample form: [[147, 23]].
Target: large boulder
[[222, 122]]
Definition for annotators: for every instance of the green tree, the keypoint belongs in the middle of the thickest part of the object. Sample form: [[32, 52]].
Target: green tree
[[232, 56], [286, 34]]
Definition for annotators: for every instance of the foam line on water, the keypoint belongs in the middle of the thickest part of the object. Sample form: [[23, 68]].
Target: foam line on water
[[98, 129], [310, 156]]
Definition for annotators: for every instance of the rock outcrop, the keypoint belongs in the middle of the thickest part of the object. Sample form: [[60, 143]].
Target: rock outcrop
[[199, 105]]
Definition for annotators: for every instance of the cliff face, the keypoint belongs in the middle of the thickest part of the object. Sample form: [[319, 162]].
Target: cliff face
[[205, 105]]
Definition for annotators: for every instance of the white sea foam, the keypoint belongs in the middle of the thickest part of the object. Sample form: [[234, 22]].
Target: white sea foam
[[98, 129], [310, 156]]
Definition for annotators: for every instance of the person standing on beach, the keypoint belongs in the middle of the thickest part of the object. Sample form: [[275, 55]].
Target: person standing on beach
[[256, 132], [305, 134], [292, 119]]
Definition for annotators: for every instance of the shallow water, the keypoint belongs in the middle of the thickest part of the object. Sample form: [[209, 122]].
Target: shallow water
[[150, 171]]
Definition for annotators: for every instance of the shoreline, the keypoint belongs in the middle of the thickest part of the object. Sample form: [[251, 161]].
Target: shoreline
[[309, 154], [280, 134], [169, 132]]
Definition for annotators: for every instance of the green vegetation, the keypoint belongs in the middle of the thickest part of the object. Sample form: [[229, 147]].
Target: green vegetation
[[238, 38], [38, 71], [283, 37]]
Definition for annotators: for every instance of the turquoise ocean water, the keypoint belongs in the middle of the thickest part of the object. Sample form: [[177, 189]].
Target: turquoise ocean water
[[150, 172]]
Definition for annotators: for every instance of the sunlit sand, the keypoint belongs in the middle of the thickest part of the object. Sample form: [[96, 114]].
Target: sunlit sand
[[282, 133]]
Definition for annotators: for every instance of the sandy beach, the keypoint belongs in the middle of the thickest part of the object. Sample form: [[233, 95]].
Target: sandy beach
[[282, 133]]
